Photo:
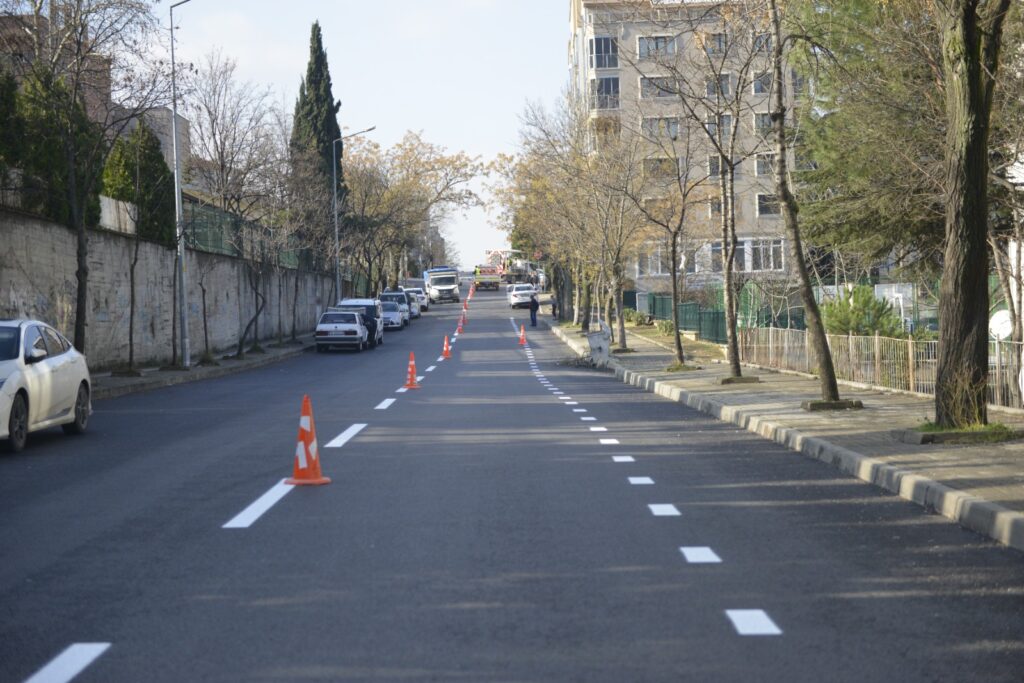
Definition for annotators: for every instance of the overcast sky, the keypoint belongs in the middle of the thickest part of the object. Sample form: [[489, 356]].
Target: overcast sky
[[460, 71]]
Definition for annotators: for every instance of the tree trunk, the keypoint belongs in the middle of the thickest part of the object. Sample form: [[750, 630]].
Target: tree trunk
[[728, 188], [586, 305], [674, 269], [77, 210], [971, 36], [619, 318], [790, 209]]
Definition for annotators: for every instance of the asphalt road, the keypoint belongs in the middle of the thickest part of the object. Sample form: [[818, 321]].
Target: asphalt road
[[476, 529]]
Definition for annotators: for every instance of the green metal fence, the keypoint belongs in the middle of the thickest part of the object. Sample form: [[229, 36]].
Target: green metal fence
[[708, 322]]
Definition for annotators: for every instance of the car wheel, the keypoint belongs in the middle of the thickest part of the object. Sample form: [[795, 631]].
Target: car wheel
[[17, 425], [81, 412]]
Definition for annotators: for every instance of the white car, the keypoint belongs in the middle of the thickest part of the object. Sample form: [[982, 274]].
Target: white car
[[402, 301], [393, 318], [520, 295], [342, 328], [44, 382], [421, 296]]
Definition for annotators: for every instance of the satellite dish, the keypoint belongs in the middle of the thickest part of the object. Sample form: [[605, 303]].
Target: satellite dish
[[1000, 326]]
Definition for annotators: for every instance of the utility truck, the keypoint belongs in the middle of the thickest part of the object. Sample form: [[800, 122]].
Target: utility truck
[[442, 284], [487, 277]]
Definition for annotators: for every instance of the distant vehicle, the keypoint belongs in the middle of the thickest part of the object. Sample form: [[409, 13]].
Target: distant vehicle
[[519, 295], [442, 284], [393, 319], [414, 305], [487, 277], [403, 304], [342, 328], [373, 317], [421, 296], [44, 382]]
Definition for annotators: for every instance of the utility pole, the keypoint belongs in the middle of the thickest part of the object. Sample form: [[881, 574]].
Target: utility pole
[[179, 213]]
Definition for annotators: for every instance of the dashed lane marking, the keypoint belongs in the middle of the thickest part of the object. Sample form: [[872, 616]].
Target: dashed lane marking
[[432, 368], [623, 458], [420, 378], [246, 518], [345, 436], [572, 403], [599, 429], [609, 442], [69, 663], [641, 481], [752, 622], [580, 410], [565, 398], [588, 419], [385, 404], [664, 510], [401, 390], [700, 555]]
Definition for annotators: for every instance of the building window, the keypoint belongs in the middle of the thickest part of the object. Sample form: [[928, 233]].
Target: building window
[[604, 93], [714, 165], [762, 42], [604, 53], [661, 168], [716, 257], [720, 126], [768, 205], [715, 207], [661, 127], [690, 262], [656, 87], [656, 259], [799, 83], [654, 47], [766, 255], [762, 83], [763, 124], [766, 163], [717, 86], [715, 43], [605, 130], [739, 259]]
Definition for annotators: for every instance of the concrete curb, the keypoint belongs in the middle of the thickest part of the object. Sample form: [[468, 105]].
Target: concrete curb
[[977, 514], [174, 377]]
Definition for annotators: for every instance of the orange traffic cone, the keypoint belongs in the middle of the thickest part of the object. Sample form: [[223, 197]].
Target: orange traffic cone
[[447, 349], [465, 305], [464, 319], [522, 335], [307, 457], [411, 383], [458, 330]]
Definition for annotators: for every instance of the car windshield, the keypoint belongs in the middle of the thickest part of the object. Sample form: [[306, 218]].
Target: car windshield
[[389, 306], [393, 297], [415, 290], [443, 281], [523, 288], [338, 318], [8, 343]]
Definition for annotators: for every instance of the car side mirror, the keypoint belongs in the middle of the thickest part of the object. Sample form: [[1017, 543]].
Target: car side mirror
[[35, 355]]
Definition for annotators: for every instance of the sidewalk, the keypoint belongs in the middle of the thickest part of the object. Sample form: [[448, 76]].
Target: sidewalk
[[979, 486], [105, 385]]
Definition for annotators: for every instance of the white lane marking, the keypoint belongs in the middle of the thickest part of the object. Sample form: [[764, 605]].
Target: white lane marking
[[641, 481], [598, 429], [752, 622], [432, 368], [343, 438], [440, 359], [580, 410], [420, 378], [572, 403], [609, 442], [565, 398], [245, 518], [385, 404], [401, 390], [69, 663], [700, 555], [586, 419], [556, 392], [664, 510], [623, 458]]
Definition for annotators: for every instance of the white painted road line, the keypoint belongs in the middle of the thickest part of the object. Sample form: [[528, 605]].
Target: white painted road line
[[385, 404], [700, 555], [641, 481], [598, 429], [432, 368], [586, 419], [572, 403], [565, 398], [580, 410], [420, 378], [401, 390], [752, 622], [664, 510], [609, 442], [440, 359], [246, 518], [343, 438], [69, 663], [623, 458]]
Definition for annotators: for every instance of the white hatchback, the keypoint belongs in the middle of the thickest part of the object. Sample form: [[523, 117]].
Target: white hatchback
[[44, 382], [520, 295]]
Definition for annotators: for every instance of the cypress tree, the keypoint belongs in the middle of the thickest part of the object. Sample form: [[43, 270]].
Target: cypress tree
[[316, 111], [136, 172]]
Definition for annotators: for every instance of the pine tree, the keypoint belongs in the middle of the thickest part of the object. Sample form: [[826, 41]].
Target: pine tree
[[316, 111], [136, 172]]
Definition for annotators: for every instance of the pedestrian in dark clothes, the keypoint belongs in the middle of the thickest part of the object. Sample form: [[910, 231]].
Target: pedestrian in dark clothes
[[534, 307]]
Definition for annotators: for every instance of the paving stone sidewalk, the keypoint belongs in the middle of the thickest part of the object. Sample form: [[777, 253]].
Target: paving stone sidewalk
[[979, 486], [107, 385]]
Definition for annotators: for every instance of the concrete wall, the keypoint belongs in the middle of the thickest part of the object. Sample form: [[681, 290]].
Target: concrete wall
[[37, 280]]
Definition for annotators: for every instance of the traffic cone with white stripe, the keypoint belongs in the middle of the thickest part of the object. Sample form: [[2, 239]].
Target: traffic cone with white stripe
[[465, 305], [410, 382], [306, 471], [447, 349], [522, 335]]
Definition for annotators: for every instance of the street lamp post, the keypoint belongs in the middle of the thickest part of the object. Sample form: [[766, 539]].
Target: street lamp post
[[179, 214], [334, 173]]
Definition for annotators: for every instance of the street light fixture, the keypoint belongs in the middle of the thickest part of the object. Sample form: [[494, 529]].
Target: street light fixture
[[334, 173], [179, 213]]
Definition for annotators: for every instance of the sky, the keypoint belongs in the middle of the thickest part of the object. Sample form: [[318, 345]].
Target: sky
[[459, 71]]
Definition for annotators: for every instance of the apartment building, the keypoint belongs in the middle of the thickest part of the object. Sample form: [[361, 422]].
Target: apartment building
[[688, 80]]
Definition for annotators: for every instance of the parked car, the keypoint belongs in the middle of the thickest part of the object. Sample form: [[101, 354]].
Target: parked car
[[421, 296], [393, 318], [44, 382], [342, 328], [373, 316], [402, 301], [519, 295], [414, 305]]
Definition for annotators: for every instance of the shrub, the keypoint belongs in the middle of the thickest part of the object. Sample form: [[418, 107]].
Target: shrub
[[666, 327], [858, 312]]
